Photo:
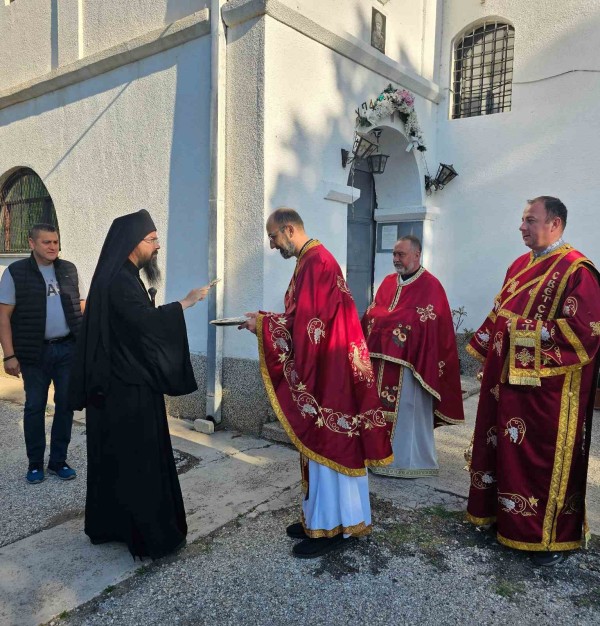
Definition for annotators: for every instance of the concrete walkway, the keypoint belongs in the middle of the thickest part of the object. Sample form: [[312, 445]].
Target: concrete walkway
[[55, 568]]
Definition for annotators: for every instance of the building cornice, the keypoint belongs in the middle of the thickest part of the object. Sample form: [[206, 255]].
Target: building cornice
[[240, 11], [175, 34]]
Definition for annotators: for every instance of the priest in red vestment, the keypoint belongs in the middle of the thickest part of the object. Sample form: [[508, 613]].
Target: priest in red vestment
[[540, 347], [318, 376], [411, 339]]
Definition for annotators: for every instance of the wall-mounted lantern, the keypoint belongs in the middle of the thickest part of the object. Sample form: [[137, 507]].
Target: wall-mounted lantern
[[444, 175], [366, 149]]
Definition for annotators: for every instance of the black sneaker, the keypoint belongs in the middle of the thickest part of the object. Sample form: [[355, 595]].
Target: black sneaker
[[312, 548], [547, 559], [296, 531], [62, 470]]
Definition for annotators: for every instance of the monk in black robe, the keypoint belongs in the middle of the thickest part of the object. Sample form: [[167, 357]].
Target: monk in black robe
[[130, 354]]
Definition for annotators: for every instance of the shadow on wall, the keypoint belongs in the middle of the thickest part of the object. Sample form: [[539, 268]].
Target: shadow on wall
[[310, 145], [188, 195]]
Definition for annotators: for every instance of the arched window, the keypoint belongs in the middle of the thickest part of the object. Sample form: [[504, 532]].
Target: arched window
[[24, 201], [483, 70]]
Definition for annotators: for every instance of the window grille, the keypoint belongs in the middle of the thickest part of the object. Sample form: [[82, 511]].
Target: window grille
[[483, 70], [24, 201]]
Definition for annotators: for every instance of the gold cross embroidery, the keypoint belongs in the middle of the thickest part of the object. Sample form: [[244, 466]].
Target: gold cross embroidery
[[426, 313], [524, 357]]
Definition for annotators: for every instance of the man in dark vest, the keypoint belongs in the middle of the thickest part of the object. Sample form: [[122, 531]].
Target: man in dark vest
[[41, 305]]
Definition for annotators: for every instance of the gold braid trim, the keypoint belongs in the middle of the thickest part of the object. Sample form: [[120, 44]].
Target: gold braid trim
[[400, 385], [480, 521], [472, 352], [379, 462], [557, 371], [309, 246], [539, 547], [525, 339], [416, 374], [348, 471], [520, 290], [563, 283], [358, 530], [395, 472], [564, 250], [571, 434], [400, 284], [447, 419], [548, 530], [567, 331]]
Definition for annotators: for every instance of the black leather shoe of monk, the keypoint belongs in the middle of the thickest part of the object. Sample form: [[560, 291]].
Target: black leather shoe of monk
[[296, 531], [312, 548], [547, 559]]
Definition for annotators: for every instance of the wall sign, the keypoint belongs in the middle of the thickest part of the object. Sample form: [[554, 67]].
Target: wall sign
[[388, 233]]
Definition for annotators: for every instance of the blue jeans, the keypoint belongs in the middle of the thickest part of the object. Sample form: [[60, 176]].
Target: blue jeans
[[55, 366]]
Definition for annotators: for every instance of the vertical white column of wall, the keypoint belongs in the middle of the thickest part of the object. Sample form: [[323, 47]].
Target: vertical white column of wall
[[431, 39], [80, 44], [216, 218]]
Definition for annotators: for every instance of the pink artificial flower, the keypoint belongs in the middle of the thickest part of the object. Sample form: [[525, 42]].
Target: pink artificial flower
[[404, 94]]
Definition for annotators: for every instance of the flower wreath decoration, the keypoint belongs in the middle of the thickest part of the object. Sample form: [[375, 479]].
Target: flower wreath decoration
[[390, 101]]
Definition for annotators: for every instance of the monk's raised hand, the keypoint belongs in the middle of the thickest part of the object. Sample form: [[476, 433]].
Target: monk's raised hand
[[195, 295]]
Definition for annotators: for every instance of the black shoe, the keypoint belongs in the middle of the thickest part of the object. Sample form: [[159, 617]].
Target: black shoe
[[296, 531], [312, 548], [547, 559]]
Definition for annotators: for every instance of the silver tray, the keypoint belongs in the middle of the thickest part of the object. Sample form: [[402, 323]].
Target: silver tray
[[230, 321]]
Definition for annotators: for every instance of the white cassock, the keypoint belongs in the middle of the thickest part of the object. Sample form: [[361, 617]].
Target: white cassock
[[336, 503], [412, 437]]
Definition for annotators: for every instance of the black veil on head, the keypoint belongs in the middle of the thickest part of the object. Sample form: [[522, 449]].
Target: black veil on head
[[91, 370]]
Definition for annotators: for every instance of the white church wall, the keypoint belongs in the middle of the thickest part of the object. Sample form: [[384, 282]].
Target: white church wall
[[109, 22], [547, 144], [404, 25], [244, 195], [136, 137], [26, 50], [40, 36], [309, 117]]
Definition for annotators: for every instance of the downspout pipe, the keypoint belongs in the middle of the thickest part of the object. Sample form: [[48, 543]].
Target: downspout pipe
[[216, 210]]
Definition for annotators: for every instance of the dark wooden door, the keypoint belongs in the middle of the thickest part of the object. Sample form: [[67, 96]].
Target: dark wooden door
[[361, 241]]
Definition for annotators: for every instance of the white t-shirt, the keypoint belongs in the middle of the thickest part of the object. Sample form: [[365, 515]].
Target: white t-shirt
[[56, 323]]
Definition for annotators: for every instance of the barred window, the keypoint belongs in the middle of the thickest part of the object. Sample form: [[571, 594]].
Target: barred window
[[24, 201], [483, 70]]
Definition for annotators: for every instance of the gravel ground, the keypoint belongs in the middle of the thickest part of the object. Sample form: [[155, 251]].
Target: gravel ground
[[27, 509], [419, 567]]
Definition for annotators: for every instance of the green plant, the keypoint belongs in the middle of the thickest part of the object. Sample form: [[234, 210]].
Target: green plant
[[508, 589], [458, 317]]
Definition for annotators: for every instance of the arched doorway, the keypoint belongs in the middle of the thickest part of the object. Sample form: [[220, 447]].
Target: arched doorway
[[390, 206], [24, 201]]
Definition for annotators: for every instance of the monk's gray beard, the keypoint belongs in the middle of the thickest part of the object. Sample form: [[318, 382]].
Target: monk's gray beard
[[152, 271]]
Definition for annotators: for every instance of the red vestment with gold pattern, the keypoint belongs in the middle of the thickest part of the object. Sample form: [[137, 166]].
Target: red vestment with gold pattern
[[316, 369], [540, 345], [409, 324]]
